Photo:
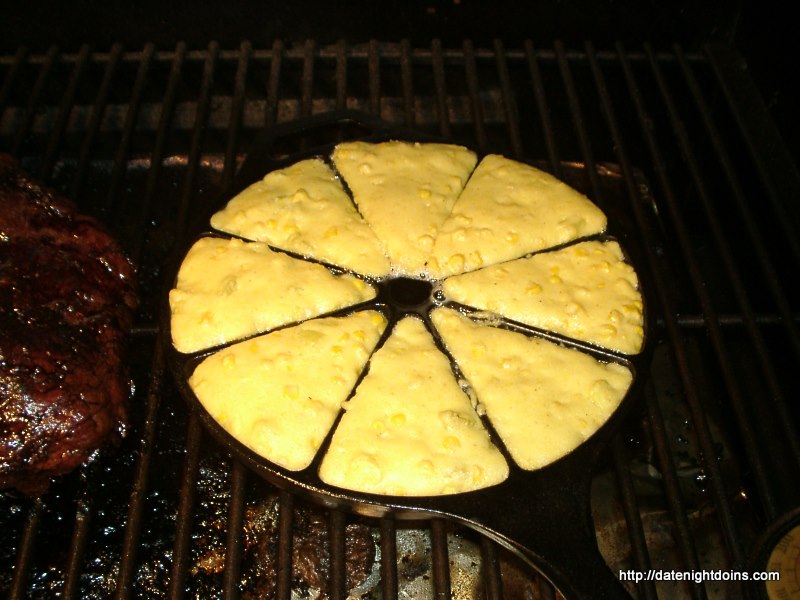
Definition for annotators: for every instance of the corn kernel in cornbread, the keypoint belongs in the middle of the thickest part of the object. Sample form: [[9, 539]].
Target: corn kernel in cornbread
[[229, 289], [405, 192], [543, 399], [410, 429], [279, 393], [585, 291], [304, 209], [509, 209]]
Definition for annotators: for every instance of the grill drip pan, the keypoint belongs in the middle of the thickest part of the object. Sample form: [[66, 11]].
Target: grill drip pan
[[543, 516]]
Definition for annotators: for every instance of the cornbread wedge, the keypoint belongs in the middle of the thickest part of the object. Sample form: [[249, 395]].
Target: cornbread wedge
[[409, 429], [585, 291], [304, 209], [543, 399], [509, 209], [229, 289], [279, 393], [405, 192]]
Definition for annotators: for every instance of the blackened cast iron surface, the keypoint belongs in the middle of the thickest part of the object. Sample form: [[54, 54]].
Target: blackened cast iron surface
[[544, 515]]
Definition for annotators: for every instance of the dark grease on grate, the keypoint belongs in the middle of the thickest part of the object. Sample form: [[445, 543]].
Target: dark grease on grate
[[145, 138]]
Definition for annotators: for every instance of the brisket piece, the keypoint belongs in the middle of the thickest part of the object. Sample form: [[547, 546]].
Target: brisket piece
[[67, 296]]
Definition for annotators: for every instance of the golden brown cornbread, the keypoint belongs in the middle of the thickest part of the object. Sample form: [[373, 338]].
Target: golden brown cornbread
[[279, 393], [585, 291], [229, 289], [410, 429], [543, 399], [405, 191], [303, 208], [509, 209]]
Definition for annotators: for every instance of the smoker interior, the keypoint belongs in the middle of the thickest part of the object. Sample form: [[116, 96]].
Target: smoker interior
[[701, 473]]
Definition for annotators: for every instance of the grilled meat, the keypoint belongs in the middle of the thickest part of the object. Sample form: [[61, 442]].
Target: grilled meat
[[67, 296]]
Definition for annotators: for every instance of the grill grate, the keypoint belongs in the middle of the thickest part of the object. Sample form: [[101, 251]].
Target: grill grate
[[144, 139]]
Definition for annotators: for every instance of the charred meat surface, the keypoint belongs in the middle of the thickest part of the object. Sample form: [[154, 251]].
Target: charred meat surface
[[67, 297]]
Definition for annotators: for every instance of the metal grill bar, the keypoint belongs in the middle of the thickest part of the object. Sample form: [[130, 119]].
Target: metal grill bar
[[541, 105], [285, 536], [633, 519], [755, 237], [25, 551], [674, 495], [11, 76], [77, 548], [308, 79], [133, 107], [194, 435], [233, 545], [437, 62], [95, 118], [341, 76], [408, 86], [493, 585], [200, 125], [57, 132], [779, 175], [235, 124], [336, 532], [578, 122], [141, 212], [274, 81], [655, 419], [183, 527], [373, 62], [509, 105], [778, 401], [461, 92], [388, 545], [133, 524], [441, 560], [474, 95], [700, 420], [672, 490], [30, 112]]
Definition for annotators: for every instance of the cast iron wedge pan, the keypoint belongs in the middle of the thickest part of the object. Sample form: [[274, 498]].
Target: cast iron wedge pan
[[543, 516]]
